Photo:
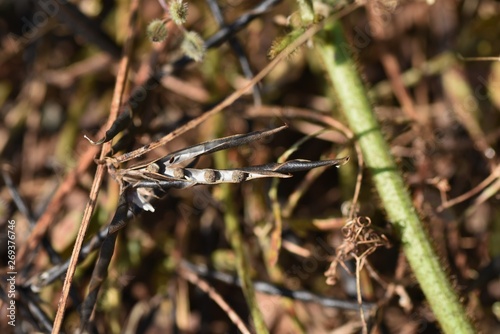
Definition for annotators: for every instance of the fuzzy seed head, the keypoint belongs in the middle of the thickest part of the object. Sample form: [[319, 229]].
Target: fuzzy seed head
[[193, 46], [157, 31], [178, 11]]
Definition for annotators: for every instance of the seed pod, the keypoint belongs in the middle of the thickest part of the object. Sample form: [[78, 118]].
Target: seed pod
[[178, 11], [178, 173], [193, 46], [153, 168], [239, 176], [157, 31], [210, 176]]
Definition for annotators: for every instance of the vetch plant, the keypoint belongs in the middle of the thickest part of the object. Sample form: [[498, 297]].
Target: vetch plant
[[423, 176], [141, 184]]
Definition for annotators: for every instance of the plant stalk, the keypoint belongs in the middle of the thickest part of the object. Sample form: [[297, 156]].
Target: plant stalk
[[236, 239], [350, 91]]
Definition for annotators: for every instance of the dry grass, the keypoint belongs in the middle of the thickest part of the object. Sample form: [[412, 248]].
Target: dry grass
[[439, 113]]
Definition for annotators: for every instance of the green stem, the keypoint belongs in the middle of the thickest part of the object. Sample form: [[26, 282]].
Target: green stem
[[233, 233], [335, 54]]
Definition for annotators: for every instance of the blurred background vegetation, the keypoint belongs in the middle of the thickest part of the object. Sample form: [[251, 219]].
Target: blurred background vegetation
[[439, 112]]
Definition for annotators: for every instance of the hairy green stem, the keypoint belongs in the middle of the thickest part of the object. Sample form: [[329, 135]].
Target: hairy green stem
[[335, 54]]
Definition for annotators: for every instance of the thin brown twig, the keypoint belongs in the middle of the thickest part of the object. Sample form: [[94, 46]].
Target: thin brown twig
[[359, 180], [489, 192], [215, 296], [492, 177], [477, 58], [296, 249], [360, 261], [375, 11], [89, 209], [359, 296]]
